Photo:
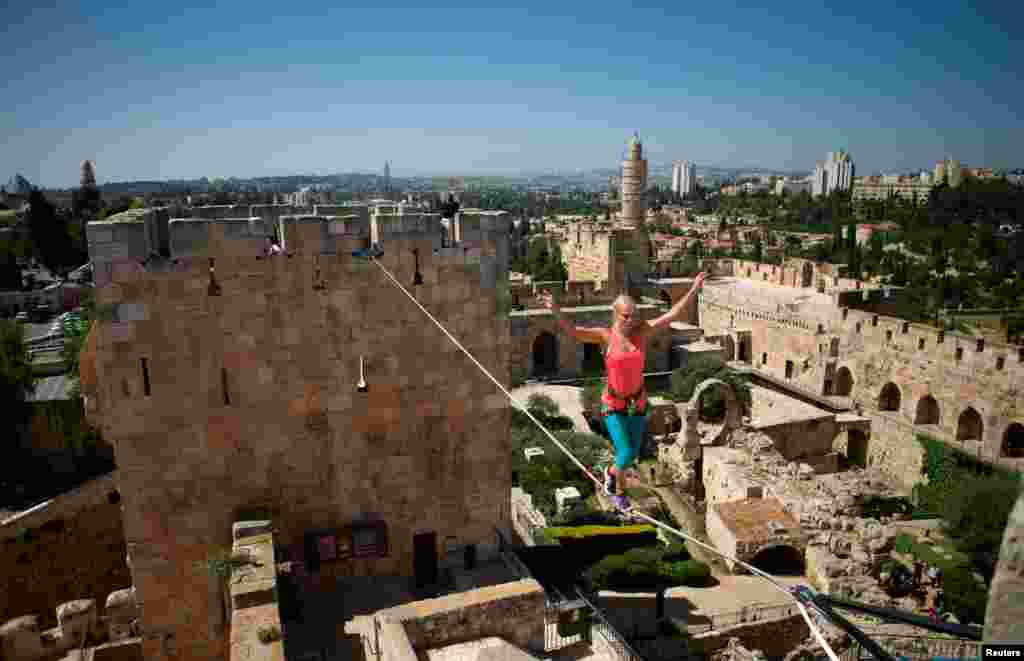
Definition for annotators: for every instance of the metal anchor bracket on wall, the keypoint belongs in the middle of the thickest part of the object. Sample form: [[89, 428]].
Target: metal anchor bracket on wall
[[213, 289], [417, 278], [361, 386]]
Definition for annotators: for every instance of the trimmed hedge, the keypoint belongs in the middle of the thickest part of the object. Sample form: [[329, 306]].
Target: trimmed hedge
[[583, 532], [589, 544], [646, 569]]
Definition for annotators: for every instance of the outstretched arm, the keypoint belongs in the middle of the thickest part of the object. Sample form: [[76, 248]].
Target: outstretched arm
[[677, 310], [587, 335]]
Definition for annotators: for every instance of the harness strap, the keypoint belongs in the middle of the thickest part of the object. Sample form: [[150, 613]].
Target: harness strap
[[631, 402]]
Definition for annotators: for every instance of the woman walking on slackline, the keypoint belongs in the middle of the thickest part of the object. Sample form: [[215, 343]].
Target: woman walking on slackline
[[624, 401]]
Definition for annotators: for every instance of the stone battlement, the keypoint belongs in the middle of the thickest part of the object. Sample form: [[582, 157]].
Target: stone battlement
[[237, 231], [897, 334]]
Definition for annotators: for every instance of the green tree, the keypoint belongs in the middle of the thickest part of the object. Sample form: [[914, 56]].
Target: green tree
[[17, 382], [50, 235], [976, 510]]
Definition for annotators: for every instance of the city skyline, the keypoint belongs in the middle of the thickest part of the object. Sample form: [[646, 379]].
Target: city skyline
[[503, 91]]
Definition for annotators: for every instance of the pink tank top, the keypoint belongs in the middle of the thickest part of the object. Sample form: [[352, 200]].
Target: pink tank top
[[625, 371]]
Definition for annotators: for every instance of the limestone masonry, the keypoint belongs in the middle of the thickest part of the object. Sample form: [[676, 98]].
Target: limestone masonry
[[227, 382]]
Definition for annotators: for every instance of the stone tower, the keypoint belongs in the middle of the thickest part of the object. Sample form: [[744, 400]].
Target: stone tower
[[634, 182], [227, 383]]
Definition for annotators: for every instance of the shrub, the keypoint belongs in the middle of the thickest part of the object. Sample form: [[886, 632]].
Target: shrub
[[584, 532], [686, 572], [676, 552], [583, 515], [965, 596], [590, 397], [976, 511], [542, 406], [646, 569], [904, 543]]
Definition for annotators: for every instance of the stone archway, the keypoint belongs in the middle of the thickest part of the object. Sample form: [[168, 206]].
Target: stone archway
[[889, 398], [545, 355], [722, 424], [844, 382], [927, 412], [1013, 441], [807, 275], [744, 351], [779, 560], [857, 448], [969, 426]]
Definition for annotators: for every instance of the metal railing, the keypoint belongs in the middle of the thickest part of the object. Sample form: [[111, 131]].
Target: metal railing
[[749, 614], [507, 552], [599, 627], [615, 640]]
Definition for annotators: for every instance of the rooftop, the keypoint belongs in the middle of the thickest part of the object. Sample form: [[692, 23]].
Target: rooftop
[[773, 408], [750, 520], [52, 388]]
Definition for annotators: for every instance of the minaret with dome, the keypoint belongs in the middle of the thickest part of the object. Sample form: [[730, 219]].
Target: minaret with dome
[[634, 181]]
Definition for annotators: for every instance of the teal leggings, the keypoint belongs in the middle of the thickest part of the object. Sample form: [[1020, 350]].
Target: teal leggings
[[627, 432]]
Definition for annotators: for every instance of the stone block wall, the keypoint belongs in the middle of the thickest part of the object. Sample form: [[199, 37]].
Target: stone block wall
[[254, 607], [227, 381], [803, 439], [775, 637], [527, 327], [511, 611], [725, 481], [587, 253], [858, 354], [71, 547], [719, 534], [80, 626]]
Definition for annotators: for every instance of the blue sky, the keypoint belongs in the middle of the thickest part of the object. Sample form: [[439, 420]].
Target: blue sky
[[168, 90]]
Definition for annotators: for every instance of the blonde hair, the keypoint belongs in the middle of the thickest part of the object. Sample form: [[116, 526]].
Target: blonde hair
[[621, 301]]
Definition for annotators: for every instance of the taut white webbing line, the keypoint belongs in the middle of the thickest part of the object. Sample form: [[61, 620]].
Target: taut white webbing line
[[568, 453]]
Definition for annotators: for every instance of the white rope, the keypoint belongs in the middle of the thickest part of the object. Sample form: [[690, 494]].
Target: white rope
[[628, 512], [488, 374]]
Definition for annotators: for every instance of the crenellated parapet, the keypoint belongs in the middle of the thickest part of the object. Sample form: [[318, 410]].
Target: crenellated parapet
[[148, 242]]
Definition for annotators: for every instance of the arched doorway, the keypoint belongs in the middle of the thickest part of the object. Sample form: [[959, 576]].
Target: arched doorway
[[969, 427], [592, 361], [927, 411], [665, 298], [780, 560], [1013, 441], [889, 398], [545, 355], [844, 382], [857, 448], [711, 404], [807, 275], [744, 355], [789, 369]]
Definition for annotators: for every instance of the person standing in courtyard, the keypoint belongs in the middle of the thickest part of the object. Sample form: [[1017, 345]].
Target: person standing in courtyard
[[624, 401]]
